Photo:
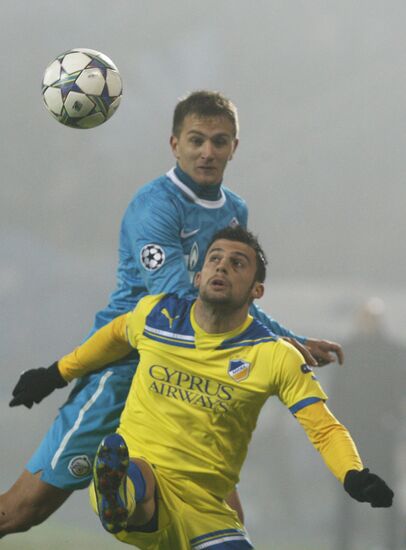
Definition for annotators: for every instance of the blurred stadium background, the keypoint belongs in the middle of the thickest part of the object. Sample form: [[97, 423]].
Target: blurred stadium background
[[320, 88]]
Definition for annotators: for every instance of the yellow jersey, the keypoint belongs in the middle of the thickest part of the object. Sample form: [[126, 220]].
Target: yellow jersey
[[196, 397]]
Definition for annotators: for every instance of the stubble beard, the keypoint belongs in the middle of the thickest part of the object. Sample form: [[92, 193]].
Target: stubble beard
[[223, 304]]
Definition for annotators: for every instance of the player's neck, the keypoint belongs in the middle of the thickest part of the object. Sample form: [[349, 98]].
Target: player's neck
[[210, 192], [218, 318]]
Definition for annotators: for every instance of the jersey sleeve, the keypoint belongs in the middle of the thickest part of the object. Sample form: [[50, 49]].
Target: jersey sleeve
[[151, 228], [105, 346], [330, 438], [273, 325], [110, 343], [299, 390], [136, 319], [243, 213], [295, 383]]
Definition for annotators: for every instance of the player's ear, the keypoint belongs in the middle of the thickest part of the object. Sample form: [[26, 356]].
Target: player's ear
[[173, 142], [235, 145], [197, 279], [257, 291]]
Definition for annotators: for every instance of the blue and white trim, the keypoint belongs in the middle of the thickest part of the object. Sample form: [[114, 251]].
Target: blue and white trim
[[201, 202], [218, 540], [171, 338]]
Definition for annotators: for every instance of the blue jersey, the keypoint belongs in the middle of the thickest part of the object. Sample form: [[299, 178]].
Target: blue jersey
[[163, 239]]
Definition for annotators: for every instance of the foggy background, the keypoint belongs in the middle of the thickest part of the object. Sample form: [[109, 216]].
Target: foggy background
[[320, 87]]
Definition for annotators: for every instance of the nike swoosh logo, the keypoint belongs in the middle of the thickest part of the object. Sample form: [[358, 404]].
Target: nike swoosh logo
[[185, 234]]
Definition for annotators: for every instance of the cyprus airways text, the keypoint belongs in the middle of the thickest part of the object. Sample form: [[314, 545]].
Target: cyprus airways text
[[192, 389]]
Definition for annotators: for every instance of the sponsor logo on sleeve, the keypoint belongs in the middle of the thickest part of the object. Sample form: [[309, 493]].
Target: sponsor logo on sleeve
[[305, 368]]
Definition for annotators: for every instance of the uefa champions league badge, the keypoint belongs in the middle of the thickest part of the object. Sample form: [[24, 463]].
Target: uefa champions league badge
[[152, 257], [238, 369], [80, 466]]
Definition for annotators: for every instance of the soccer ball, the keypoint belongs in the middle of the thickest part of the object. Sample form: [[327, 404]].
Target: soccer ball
[[82, 88]]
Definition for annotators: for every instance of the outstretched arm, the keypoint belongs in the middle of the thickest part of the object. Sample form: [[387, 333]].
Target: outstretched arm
[[274, 325], [325, 351], [316, 352], [340, 454], [108, 344]]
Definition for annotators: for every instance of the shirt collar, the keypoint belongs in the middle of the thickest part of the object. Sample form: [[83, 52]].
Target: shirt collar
[[207, 192]]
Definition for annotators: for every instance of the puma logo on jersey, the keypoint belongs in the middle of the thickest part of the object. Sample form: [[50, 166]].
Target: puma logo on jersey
[[166, 313]]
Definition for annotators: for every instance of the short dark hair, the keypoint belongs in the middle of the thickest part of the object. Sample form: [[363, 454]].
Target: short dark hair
[[242, 235], [204, 103]]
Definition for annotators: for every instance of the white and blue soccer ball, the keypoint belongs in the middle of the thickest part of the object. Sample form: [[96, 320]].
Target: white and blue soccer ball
[[82, 88]]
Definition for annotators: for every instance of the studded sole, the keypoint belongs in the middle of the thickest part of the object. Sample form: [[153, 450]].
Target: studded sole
[[110, 470]]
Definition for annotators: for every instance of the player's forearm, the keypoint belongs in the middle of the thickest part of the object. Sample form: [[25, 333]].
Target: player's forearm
[[330, 438], [105, 346]]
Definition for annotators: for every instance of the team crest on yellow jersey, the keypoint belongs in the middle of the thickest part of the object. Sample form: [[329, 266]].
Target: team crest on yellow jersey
[[238, 369]]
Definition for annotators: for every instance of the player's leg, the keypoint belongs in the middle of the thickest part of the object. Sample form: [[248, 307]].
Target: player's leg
[[218, 529], [63, 461], [209, 521], [28, 502], [123, 489]]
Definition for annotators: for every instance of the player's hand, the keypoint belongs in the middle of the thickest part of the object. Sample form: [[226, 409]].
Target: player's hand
[[324, 351], [366, 487], [35, 384], [308, 357]]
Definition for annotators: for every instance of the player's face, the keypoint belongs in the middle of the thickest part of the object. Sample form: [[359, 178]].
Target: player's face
[[228, 275], [203, 147]]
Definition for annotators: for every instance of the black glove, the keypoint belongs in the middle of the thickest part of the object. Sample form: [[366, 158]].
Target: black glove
[[35, 384], [367, 487]]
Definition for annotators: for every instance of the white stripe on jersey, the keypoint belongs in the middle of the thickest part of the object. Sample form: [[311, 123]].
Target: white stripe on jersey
[[160, 332], [201, 202], [79, 419], [220, 540]]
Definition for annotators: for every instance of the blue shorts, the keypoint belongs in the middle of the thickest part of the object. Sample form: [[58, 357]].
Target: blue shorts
[[92, 411]]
